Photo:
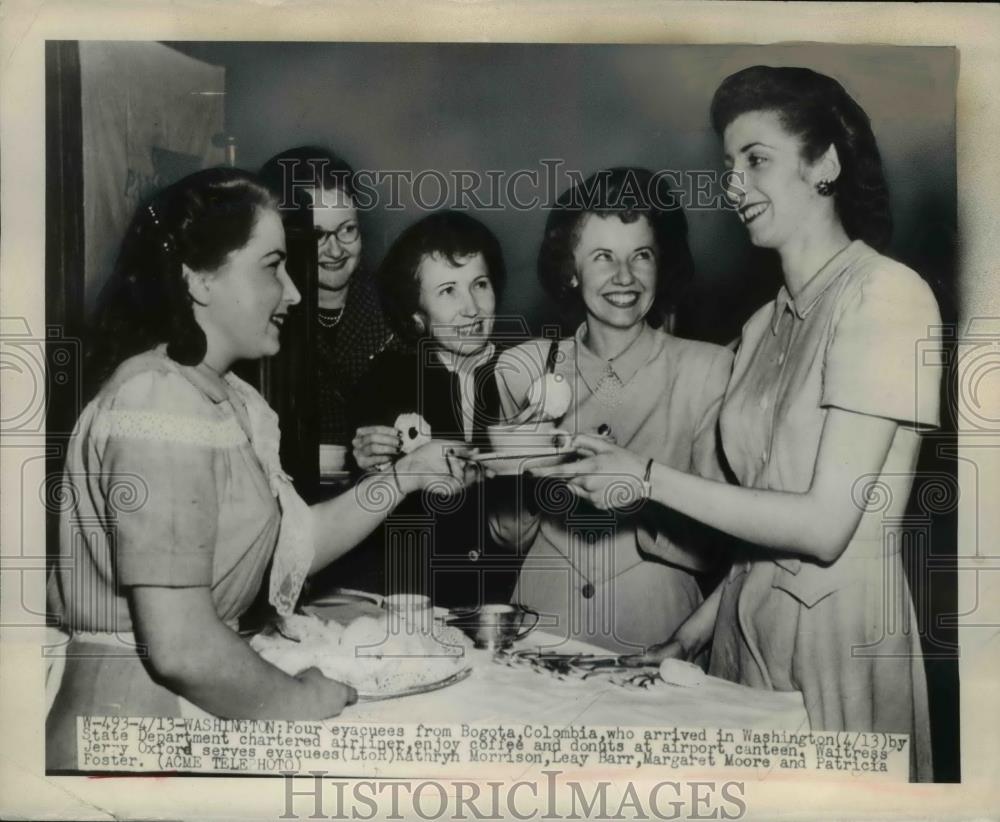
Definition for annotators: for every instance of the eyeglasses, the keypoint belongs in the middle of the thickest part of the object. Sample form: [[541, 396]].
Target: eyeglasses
[[346, 233]]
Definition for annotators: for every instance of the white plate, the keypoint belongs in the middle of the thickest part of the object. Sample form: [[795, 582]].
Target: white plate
[[347, 596], [423, 688], [506, 463]]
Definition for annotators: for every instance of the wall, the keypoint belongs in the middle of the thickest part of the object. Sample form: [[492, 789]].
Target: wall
[[507, 106]]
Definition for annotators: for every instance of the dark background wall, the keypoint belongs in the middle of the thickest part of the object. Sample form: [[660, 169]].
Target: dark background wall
[[509, 106]]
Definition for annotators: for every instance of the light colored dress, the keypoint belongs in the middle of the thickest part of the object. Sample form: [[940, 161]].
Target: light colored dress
[[843, 634], [163, 487], [622, 581]]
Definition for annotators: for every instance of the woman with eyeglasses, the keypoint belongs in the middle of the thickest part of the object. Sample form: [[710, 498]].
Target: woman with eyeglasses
[[351, 327]]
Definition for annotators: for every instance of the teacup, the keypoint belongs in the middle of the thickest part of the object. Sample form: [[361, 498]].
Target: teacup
[[496, 626], [332, 459]]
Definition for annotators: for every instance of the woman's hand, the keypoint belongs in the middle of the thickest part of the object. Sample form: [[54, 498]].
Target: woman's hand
[[375, 445], [325, 696], [688, 641], [655, 654], [196, 655], [607, 476], [442, 466]]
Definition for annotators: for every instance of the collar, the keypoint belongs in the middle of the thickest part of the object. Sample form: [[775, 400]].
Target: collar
[[820, 282], [196, 375], [467, 364], [593, 368], [215, 389]]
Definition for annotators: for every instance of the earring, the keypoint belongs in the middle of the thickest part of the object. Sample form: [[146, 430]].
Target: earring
[[824, 188]]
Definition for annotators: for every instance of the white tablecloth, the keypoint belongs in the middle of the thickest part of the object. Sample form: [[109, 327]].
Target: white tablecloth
[[498, 693]]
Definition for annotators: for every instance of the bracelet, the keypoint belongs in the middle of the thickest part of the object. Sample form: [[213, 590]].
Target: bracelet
[[395, 479], [647, 485]]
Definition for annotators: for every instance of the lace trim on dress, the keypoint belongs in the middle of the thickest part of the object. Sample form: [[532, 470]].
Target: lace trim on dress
[[294, 553], [159, 426]]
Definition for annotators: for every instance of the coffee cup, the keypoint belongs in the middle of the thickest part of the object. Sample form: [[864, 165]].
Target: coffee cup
[[332, 459], [496, 626]]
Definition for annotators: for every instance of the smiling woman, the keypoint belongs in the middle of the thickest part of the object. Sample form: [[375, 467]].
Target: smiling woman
[[824, 406], [440, 282], [242, 305], [350, 329], [615, 251], [176, 461]]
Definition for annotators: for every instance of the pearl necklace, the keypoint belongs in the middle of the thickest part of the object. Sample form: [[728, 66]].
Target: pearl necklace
[[329, 319]]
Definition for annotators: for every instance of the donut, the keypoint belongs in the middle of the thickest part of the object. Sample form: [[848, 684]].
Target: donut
[[413, 431]]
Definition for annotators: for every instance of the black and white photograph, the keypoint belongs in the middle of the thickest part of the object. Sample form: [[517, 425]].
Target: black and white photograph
[[536, 413]]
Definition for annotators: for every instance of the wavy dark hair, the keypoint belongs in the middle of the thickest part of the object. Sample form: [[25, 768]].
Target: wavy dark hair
[[453, 235], [628, 193], [198, 221], [817, 110], [287, 174]]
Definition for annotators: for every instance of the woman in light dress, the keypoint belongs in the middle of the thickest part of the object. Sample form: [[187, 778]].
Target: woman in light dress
[[175, 501], [821, 424], [614, 251]]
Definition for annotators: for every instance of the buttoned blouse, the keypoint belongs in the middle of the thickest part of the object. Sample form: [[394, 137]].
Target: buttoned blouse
[[858, 337], [660, 397]]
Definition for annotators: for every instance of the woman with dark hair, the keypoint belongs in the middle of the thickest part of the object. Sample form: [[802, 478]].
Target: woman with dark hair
[[439, 283], [821, 423], [175, 501], [351, 329], [614, 247]]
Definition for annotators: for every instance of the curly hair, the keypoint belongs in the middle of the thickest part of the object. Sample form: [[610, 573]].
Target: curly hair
[[818, 110], [629, 193], [198, 221], [453, 235]]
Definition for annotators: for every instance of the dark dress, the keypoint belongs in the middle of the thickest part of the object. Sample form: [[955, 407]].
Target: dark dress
[[433, 545], [344, 354]]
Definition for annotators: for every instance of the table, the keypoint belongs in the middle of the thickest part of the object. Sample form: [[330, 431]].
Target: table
[[501, 701], [498, 694]]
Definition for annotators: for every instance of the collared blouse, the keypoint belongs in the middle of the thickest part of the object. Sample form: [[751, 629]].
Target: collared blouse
[[860, 337], [620, 580]]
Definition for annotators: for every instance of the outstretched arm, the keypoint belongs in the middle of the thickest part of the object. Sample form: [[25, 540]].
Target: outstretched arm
[[343, 522], [817, 523]]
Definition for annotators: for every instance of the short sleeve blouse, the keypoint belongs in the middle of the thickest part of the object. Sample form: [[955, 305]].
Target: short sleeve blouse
[[163, 487], [861, 337]]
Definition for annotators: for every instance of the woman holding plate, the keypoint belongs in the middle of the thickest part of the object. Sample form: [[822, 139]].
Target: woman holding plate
[[821, 423], [614, 249], [175, 501]]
